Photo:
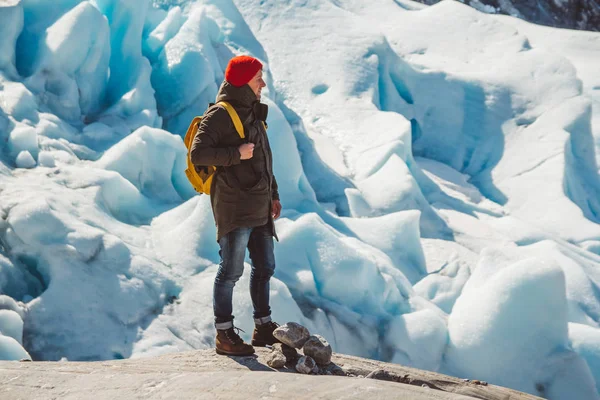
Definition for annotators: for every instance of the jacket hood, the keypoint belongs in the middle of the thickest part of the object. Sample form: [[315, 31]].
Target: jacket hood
[[242, 96]]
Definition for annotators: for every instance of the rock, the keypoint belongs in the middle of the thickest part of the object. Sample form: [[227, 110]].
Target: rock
[[351, 370], [319, 349], [383, 375], [315, 369], [292, 334], [305, 365], [290, 353], [276, 360], [334, 369]]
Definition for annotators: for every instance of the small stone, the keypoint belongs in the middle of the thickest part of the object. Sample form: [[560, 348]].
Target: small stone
[[484, 383], [425, 386], [292, 334], [349, 369], [334, 369], [383, 375], [290, 353], [476, 382], [276, 360], [328, 373], [466, 380], [315, 369], [305, 365], [361, 376], [319, 349], [25, 360]]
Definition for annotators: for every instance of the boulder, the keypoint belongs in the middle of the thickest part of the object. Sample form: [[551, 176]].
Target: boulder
[[276, 360], [292, 334], [305, 365], [290, 353], [319, 349]]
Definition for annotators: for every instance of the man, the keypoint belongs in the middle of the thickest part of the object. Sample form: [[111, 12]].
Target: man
[[244, 200]]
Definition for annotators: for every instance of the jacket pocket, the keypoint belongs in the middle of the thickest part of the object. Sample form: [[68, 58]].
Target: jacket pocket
[[261, 187], [224, 192], [254, 202]]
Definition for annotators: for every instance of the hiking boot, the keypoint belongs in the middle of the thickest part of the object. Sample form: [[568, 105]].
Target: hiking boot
[[230, 343], [263, 334]]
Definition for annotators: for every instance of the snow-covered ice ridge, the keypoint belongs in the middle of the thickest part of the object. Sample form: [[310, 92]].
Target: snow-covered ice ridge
[[437, 166]]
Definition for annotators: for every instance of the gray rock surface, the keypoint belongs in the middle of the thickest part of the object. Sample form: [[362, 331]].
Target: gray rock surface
[[202, 374], [292, 334], [306, 365], [319, 349]]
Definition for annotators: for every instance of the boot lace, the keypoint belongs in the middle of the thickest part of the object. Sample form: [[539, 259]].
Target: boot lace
[[268, 326], [272, 325], [233, 334]]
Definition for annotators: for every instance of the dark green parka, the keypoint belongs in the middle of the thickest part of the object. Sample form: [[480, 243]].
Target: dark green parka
[[242, 190]]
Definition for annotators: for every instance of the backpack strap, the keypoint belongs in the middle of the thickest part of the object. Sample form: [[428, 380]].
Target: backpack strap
[[235, 118]]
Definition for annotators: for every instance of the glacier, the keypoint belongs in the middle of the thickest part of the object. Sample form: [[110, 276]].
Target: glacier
[[438, 169]]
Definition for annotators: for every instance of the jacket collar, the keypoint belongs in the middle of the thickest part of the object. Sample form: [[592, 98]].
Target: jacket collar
[[241, 96]]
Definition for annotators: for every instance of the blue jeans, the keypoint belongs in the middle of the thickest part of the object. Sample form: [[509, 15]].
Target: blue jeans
[[259, 241]]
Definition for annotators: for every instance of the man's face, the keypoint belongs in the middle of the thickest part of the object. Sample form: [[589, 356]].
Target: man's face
[[257, 83]]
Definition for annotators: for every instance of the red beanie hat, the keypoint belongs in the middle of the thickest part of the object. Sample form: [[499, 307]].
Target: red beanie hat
[[241, 70]]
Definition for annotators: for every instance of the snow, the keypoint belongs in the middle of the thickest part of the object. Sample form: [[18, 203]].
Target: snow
[[23, 139], [10, 349], [153, 161], [419, 339], [12, 17], [11, 330], [74, 55], [585, 340], [438, 169], [188, 53], [17, 100], [501, 331], [164, 31], [12, 325], [25, 160]]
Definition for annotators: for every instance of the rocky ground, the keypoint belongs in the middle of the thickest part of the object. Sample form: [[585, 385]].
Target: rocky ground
[[203, 374], [571, 14]]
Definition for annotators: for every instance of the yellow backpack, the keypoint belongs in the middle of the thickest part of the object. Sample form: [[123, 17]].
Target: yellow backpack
[[201, 180]]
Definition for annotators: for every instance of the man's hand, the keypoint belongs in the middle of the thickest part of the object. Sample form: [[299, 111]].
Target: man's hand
[[275, 209], [246, 151]]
